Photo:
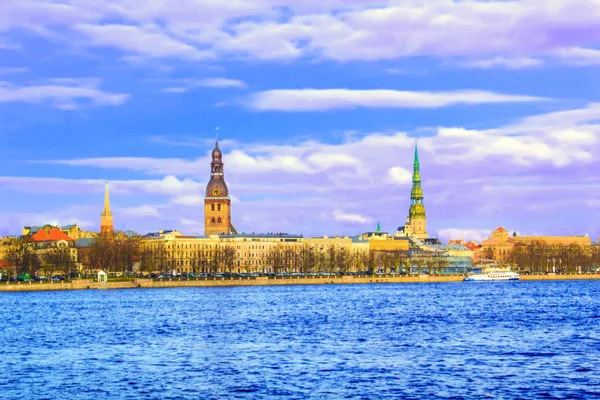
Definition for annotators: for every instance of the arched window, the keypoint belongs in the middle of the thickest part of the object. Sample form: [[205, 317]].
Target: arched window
[[219, 220], [212, 207], [212, 220], [219, 207]]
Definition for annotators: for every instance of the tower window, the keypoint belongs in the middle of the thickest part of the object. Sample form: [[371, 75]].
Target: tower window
[[213, 220], [219, 220], [212, 208], [219, 207]]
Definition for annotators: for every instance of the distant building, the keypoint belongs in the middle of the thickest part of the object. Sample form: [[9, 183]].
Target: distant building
[[458, 257], [50, 239], [500, 244], [72, 230]]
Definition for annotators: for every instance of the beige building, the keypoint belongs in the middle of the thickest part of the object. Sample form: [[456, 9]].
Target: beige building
[[251, 253], [500, 244]]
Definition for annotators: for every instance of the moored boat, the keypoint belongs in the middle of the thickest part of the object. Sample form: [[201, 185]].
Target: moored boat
[[494, 274]]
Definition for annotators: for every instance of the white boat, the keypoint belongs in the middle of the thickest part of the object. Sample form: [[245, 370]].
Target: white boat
[[494, 274]]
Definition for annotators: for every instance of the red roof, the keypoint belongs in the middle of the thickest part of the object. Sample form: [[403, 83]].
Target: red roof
[[52, 234], [501, 229], [472, 246]]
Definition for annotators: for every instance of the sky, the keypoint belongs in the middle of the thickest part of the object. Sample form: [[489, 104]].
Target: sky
[[318, 106]]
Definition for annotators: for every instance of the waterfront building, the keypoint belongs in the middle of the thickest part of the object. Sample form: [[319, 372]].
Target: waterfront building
[[416, 222], [55, 249], [106, 218], [500, 244], [217, 203], [453, 258]]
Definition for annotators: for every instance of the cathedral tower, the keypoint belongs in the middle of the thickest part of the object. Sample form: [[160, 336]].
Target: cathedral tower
[[217, 204], [416, 223], [106, 218]]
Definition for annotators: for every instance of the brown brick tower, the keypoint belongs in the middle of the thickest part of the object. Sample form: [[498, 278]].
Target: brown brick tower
[[217, 204]]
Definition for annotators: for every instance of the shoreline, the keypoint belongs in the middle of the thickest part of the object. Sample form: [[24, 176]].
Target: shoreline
[[88, 284]]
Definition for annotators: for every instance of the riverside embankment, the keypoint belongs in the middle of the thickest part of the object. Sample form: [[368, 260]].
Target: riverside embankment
[[87, 284]]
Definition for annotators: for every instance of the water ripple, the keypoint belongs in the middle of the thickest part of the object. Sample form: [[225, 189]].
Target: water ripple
[[409, 341]]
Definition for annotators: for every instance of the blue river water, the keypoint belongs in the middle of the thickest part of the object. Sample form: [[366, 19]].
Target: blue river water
[[380, 341]]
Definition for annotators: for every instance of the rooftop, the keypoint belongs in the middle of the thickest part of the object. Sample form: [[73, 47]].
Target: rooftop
[[262, 235], [50, 234]]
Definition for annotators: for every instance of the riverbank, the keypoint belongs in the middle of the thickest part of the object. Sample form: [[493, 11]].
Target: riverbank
[[85, 284]]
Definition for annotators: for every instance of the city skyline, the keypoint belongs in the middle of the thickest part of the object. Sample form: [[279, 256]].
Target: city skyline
[[317, 131]]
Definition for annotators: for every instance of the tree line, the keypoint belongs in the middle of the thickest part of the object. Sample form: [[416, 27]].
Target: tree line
[[24, 258], [305, 258], [541, 258]]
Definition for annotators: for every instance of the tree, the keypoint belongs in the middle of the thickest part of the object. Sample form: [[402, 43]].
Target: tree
[[21, 256], [58, 258], [229, 254]]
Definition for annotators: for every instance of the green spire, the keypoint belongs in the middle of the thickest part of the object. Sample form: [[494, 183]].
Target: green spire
[[416, 152], [378, 227]]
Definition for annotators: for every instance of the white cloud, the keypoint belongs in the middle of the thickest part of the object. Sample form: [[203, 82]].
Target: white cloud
[[467, 234], [168, 186], [325, 161], [189, 200], [348, 217], [343, 30], [578, 56], [175, 90], [65, 94], [143, 211], [399, 175], [185, 85], [222, 83], [328, 99], [502, 62], [148, 41]]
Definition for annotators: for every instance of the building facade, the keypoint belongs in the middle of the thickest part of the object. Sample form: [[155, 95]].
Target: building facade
[[500, 244]]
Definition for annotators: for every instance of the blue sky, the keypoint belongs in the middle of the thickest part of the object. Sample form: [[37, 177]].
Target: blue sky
[[318, 106]]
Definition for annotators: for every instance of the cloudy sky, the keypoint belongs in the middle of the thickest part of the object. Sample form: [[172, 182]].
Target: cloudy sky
[[318, 105]]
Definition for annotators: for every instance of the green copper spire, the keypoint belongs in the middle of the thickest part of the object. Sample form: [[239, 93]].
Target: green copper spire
[[378, 227], [417, 208], [416, 153]]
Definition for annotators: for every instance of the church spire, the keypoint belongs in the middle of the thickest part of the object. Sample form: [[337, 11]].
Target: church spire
[[378, 227], [417, 221], [416, 153], [106, 210], [416, 194], [106, 218]]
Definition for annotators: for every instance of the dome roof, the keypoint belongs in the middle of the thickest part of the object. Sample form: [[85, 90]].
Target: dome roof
[[217, 188]]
